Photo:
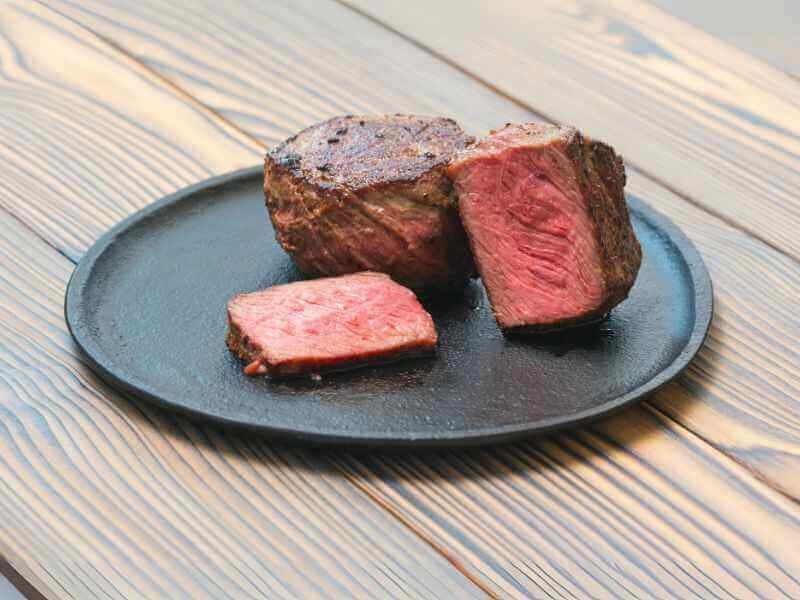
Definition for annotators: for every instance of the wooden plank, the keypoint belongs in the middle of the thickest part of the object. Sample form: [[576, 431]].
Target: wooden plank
[[100, 496], [747, 403], [630, 508], [557, 518], [109, 135], [711, 122], [274, 68], [766, 29], [740, 392], [588, 514], [103, 496], [635, 506]]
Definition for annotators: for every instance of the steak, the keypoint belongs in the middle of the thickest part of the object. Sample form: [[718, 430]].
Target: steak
[[328, 324], [370, 193], [545, 213]]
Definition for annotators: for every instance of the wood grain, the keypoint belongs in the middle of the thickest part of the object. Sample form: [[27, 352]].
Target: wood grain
[[712, 123], [630, 508], [766, 29], [746, 378], [80, 120], [101, 496], [274, 68], [12, 582], [588, 514], [635, 507], [740, 392]]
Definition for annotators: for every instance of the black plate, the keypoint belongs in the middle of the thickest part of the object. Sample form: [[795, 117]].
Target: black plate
[[147, 306]]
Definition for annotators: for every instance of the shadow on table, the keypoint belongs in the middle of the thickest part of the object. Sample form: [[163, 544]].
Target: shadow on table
[[618, 433]]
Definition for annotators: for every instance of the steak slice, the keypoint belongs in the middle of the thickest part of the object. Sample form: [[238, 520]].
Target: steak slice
[[545, 213], [370, 193], [327, 324]]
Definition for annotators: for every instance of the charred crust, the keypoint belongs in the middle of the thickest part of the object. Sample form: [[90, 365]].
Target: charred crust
[[240, 344], [603, 180], [382, 151], [315, 203]]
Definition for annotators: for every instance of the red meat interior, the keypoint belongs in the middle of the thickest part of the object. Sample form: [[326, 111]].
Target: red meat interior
[[531, 235], [325, 322]]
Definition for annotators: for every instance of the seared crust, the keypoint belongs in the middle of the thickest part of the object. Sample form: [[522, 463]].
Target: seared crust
[[622, 255], [239, 343], [590, 318], [362, 193], [304, 368], [369, 151]]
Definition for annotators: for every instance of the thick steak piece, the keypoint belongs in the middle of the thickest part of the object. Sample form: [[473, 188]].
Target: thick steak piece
[[546, 217], [370, 193], [328, 324]]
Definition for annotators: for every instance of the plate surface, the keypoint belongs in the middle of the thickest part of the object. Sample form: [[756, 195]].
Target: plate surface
[[147, 306]]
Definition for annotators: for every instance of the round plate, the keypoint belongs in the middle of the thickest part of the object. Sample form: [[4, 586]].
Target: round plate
[[147, 306]]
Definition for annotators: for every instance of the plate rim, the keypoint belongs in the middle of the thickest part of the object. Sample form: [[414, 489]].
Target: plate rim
[[704, 311]]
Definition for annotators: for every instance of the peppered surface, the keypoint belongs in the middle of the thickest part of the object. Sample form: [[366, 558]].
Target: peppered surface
[[371, 151], [546, 216], [361, 193], [327, 324]]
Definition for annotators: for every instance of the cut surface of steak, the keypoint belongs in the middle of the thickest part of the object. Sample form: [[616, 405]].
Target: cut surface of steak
[[545, 213], [328, 324], [360, 193]]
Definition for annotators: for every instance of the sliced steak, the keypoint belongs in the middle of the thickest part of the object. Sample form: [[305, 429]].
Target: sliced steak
[[370, 193], [328, 324], [546, 216]]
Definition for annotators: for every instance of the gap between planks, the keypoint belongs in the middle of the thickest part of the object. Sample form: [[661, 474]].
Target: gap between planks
[[544, 116], [17, 219], [744, 465], [22, 585], [354, 480], [450, 557]]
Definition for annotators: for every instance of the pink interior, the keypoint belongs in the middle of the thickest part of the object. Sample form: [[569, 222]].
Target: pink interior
[[327, 320], [531, 235]]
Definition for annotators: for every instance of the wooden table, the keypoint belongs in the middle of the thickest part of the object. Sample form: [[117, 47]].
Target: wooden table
[[108, 105]]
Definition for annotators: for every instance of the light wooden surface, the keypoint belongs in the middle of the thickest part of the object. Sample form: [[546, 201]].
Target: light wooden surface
[[104, 110], [103, 496], [767, 29], [762, 439], [708, 121]]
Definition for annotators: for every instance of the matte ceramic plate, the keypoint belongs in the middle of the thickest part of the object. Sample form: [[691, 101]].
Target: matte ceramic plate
[[147, 306]]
